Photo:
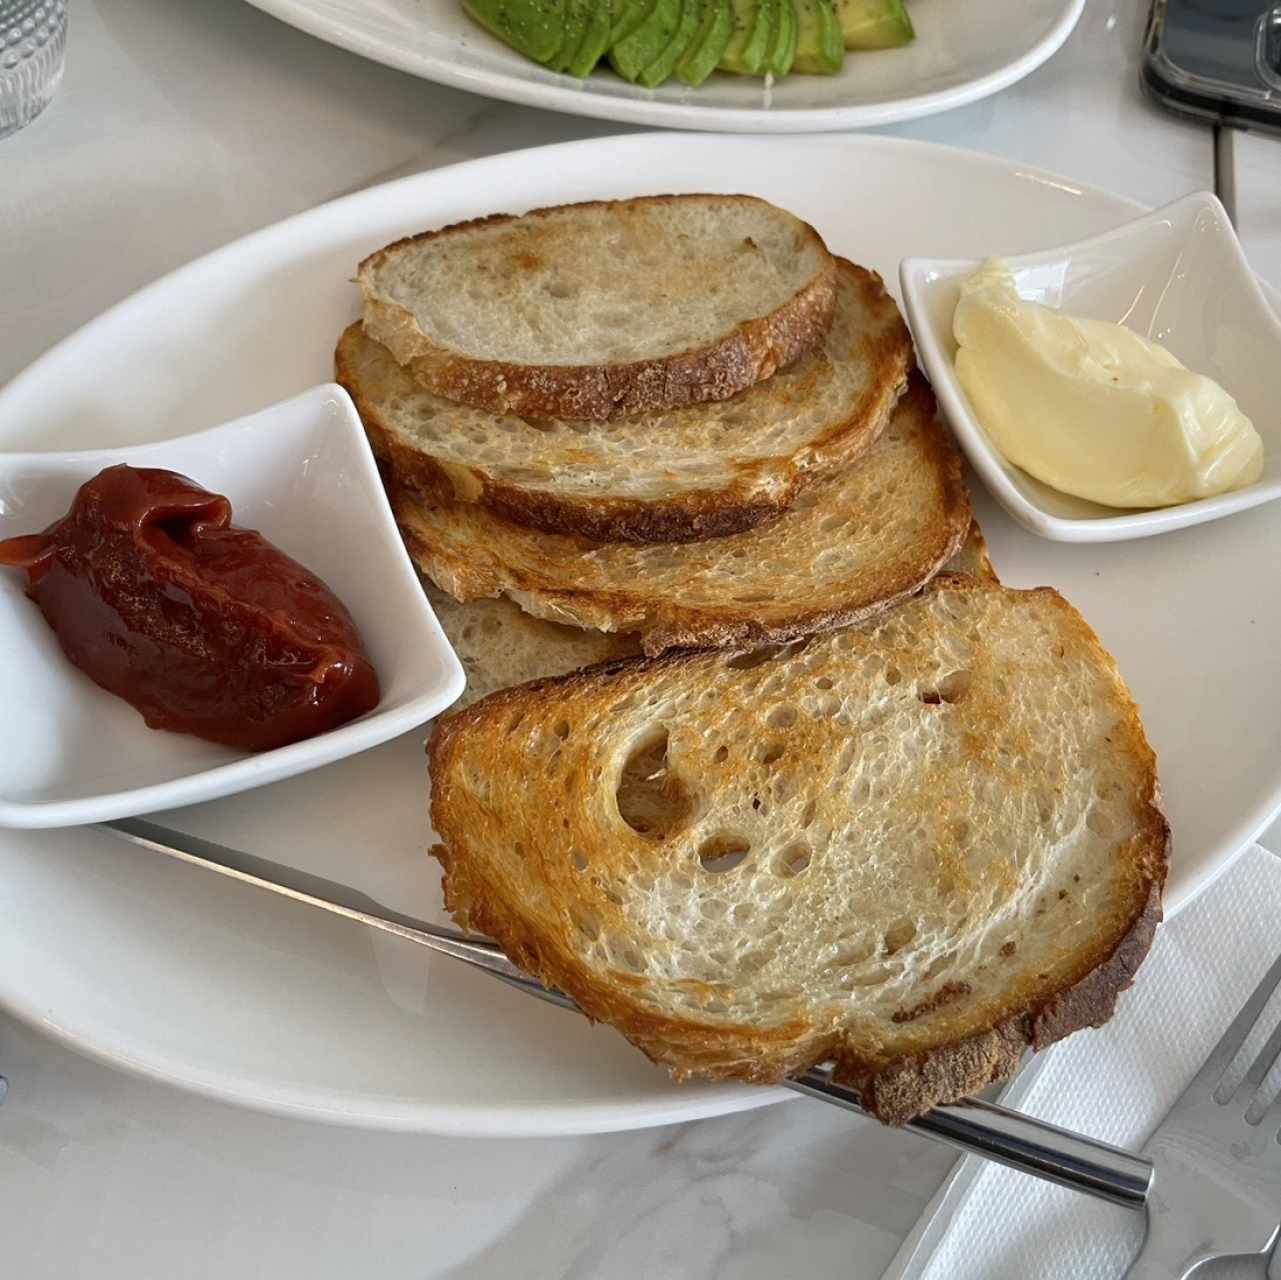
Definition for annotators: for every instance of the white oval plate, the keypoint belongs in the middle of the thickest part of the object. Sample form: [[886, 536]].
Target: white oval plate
[[212, 986], [961, 53]]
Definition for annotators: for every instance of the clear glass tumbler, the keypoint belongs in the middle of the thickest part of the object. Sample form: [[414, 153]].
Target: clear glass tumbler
[[33, 38]]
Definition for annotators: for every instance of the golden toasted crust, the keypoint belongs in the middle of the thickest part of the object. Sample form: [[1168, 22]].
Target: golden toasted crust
[[752, 351], [757, 489], [943, 1042], [854, 544]]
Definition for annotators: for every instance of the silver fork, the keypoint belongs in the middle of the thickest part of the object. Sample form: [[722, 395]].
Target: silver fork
[[1217, 1186]]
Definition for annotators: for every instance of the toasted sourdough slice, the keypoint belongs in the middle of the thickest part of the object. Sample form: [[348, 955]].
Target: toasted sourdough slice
[[914, 847], [850, 545], [501, 645], [616, 306], [678, 475]]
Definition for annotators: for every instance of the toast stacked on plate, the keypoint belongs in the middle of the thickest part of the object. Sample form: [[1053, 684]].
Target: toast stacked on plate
[[787, 776], [675, 422]]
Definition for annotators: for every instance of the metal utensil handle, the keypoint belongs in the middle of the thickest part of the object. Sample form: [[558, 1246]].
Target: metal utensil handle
[[980, 1128]]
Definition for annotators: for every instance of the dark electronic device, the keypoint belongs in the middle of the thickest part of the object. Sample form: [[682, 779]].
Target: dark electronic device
[[1217, 60]]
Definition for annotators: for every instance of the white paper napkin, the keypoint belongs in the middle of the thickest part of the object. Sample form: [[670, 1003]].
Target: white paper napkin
[[1115, 1083]]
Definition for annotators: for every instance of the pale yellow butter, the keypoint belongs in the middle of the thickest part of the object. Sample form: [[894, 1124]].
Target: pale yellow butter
[[1091, 407]]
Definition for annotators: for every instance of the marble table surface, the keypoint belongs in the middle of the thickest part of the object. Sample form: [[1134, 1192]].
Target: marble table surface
[[183, 124]]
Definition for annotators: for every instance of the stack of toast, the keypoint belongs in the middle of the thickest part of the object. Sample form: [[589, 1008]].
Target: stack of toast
[[786, 776], [732, 457]]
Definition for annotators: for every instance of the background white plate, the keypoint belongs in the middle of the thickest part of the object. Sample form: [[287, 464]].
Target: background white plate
[[961, 53], [156, 967]]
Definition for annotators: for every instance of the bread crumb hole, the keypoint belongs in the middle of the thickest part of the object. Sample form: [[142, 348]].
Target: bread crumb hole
[[744, 912], [753, 658], [562, 730], [866, 977], [723, 852], [955, 685], [627, 957], [722, 754], [781, 717], [586, 925], [771, 752], [793, 860], [516, 722], [898, 935], [651, 799], [1100, 822], [823, 683], [893, 675], [852, 953], [808, 816], [580, 860]]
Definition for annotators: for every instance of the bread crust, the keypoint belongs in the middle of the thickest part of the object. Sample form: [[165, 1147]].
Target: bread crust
[[894, 1085], [752, 351]]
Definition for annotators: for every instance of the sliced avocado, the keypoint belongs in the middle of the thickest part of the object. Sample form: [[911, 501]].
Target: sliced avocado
[[575, 25], [753, 23], [757, 55], [874, 24], [632, 54], [714, 32], [535, 28], [783, 45], [628, 15], [820, 47], [663, 66], [595, 42]]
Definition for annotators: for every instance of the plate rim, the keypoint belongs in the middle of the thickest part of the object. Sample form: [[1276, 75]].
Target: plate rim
[[510, 87], [544, 1119]]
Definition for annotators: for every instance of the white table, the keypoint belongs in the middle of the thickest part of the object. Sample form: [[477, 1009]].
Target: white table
[[181, 125]]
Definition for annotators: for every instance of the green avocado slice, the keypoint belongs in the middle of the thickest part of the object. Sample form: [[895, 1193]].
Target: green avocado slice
[[535, 28], [595, 42], [628, 15], [874, 24], [745, 53], [820, 46], [632, 54], [714, 32], [663, 66], [782, 50], [575, 26]]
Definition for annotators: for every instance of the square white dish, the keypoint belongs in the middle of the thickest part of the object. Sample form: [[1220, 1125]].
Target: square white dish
[[301, 473], [1177, 275]]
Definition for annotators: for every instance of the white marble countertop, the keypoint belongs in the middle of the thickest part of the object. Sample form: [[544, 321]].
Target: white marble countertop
[[181, 125]]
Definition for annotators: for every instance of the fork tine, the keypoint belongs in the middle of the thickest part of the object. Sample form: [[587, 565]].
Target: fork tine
[[1234, 1037], [1260, 1067]]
